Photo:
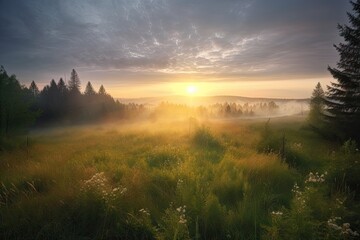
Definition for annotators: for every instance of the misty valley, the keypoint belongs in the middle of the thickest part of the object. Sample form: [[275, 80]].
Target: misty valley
[[180, 120], [85, 166]]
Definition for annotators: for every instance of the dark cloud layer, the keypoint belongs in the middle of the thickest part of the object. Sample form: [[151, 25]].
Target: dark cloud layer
[[229, 38]]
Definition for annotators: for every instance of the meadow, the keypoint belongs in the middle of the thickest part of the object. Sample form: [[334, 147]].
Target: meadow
[[180, 179]]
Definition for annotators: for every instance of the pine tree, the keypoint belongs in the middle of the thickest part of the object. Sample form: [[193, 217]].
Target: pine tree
[[317, 106], [343, 97], [62, 86], [89, 90], [74, 83], [102, 90], [34, 89], [53, 86]]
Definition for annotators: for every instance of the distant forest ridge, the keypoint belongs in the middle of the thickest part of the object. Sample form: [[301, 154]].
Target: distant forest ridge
[[204, 100]]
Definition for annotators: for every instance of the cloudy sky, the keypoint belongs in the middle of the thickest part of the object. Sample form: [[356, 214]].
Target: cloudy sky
[[278, 48]]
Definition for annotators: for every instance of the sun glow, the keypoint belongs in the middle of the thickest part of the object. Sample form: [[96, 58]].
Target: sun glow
[[191, 89]]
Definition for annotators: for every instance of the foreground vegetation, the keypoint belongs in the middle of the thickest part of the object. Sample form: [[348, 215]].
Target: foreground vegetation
[[214, 180]]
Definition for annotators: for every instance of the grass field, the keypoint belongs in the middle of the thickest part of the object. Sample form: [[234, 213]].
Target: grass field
[[180, 180]]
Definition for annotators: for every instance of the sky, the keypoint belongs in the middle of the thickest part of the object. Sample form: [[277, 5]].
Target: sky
[[144, 48]]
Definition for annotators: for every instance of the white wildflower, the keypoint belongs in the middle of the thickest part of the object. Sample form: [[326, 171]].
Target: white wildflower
[[344, 229], [99, 183], [123, 191], [182, 210], [316, 177], [297, 145], [145, 211], [277, 213]]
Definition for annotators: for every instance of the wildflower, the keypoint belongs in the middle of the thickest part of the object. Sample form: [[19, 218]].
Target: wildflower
[[144, 211], [332, 223], [316, 177], [99, 183], [182, 220], [277, 213], [344, 229], [339, 201], [295, 189], [297, 145], [123, 191], [182, 211]]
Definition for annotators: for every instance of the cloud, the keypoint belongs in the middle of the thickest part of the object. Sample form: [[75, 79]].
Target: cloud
[[239, 38]]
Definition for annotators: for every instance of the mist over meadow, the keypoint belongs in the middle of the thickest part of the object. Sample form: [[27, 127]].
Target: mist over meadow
[[180, 120]]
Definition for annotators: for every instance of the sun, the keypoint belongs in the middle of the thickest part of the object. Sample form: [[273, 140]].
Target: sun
[[191, 89]]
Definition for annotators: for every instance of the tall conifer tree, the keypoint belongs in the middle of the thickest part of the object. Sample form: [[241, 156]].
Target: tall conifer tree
[[74, 82], [343, 97], [89, 90], [34, 89], [102, 90], [62, 86], [317, 106]]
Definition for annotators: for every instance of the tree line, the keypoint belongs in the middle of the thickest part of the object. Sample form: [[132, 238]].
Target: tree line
[[61, 102], [57, 103]]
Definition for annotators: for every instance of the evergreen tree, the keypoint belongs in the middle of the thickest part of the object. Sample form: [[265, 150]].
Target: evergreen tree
[[317, 106], [89, 90], [53, 86], [74, 83], [50, 101], [75, 101], [343, 96], [102, 90], [15, 112], [63, 98], [62, 86], [34, 89]]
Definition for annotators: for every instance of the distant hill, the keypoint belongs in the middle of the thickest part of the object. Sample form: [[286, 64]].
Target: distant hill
[[206, 100]]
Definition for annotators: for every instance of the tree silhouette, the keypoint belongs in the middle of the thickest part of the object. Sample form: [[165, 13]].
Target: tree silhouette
[[89, 90], [15, 102], [50, 101], [317, 106], [74, 82], [62, 86], [53, 86], [102, 90], [343, 96], [34, 89]]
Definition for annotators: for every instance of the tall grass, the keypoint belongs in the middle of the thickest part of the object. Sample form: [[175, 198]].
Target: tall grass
[[132, 183]]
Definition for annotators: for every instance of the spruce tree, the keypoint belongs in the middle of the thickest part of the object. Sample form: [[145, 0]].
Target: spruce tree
[[102, 90], [53, 86], [74, 83], [34, 89], [317, 106], [74, 99], [343, 97], [62, 86], [89, 90]]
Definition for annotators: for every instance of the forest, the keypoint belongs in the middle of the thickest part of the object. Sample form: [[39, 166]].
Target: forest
[[56, 104]]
